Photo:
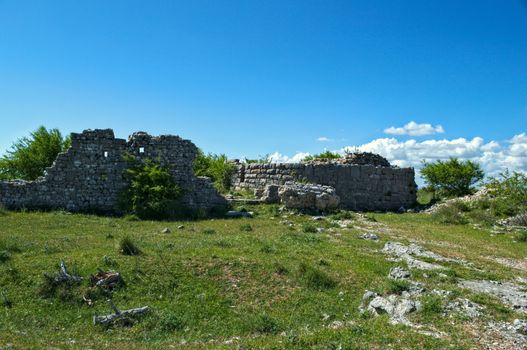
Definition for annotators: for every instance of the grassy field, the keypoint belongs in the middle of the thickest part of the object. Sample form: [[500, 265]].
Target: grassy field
[[247, 283]]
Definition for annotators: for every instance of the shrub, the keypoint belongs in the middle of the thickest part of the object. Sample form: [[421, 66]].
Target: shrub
[[152, 192], [315, 278], [128, 247], [452, 177], [450, 214], [30, 156], [326, 155], [510, 192], [217, 167]]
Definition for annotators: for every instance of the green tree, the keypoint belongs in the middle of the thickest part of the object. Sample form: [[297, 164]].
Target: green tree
[[30, 156], [217, 167], [152, 192], [452, 177]]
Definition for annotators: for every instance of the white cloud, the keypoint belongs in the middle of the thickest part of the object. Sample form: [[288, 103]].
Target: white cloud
[[414, 129], [493, 156], [277, 157], [324, 139]]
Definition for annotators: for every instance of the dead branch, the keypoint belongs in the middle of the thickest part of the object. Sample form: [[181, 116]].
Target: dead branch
[[64, 276], [122, 317]]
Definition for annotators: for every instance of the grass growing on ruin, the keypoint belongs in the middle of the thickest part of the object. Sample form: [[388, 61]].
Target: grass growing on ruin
[[224, 283]]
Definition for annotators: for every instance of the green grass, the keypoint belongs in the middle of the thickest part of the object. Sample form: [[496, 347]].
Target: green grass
[[213, 281]]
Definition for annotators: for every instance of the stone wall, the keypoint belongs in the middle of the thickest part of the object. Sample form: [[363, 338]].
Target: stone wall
[[89, 176], [360, 187]]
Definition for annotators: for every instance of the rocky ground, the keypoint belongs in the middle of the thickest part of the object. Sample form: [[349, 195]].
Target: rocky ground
[[269, 279]]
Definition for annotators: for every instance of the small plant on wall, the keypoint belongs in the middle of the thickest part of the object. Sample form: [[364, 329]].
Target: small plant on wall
[[152, 192]]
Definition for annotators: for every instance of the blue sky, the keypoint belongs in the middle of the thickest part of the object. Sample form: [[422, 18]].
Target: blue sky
[[248, 78]]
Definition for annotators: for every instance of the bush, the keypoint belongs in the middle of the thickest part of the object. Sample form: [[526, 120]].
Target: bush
[[30, 156], [326, 155], [452, 177], [315, 278], [128, 247], [510, 192], [451, 213], [152, 192], [217, 167]]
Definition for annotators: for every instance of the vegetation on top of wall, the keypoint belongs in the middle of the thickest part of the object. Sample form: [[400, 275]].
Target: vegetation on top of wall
[[217, 167], [29, 156], [265, 159], [152, 192], [453, 177], [505, 197], [322, 156]]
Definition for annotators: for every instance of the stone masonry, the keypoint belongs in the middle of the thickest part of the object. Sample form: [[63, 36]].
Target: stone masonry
[[360, 187], [89, 176]]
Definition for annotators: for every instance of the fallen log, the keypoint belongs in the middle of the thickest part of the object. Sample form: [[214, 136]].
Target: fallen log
[[125, 317]]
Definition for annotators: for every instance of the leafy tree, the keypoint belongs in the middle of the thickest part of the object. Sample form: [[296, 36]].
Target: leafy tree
[[215, 166], [152, 192], [452, 177], [30, 156]]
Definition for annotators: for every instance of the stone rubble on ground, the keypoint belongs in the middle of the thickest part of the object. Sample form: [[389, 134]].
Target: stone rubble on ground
[[402, 253], [369, 236], [464, 307], [295, 195], [399, 273], [511, 294]]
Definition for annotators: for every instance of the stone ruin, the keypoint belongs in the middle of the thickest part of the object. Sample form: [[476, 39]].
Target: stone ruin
[[90, 175], [358, 181]]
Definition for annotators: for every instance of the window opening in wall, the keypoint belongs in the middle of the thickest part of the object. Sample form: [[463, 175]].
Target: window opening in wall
[[141, 150], [105, 154]]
